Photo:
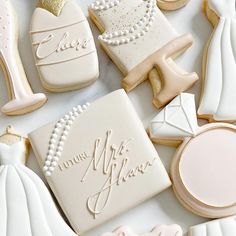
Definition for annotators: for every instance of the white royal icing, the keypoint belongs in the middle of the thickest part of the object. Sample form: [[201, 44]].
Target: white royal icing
[[219, 94], [177, 120], [221, 227], [25, 203]]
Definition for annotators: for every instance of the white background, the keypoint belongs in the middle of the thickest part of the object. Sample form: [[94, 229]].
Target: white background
[[164, 208]]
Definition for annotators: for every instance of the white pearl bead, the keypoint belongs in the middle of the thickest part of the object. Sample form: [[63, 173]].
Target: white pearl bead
[[54, 163], [47, 163], [49, 157], [58, 154], [48, 173], [45, 168], [74, 109], [55, 158], [63, 137], [76, 114], [62, 120], [51, 168], [53, 141], [58, 125], [50, 152], [67, 127]]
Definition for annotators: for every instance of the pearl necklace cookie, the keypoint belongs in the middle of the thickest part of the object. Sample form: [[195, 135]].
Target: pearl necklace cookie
[[59, 136], [134, 32]]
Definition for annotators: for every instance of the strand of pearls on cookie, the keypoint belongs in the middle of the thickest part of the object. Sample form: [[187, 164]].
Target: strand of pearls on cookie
[[59, 136], [134, 32], [104, 4]]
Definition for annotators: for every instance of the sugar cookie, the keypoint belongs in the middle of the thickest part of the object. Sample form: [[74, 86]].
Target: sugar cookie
[[202, 169], [170, 5], [175, 122], [219, 67], [27, 209], [159, 230], [63, 46], [22, 98], [93, 175], [131, 37], [221, 227]]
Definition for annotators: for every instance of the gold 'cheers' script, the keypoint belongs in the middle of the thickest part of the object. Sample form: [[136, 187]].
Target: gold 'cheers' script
[[112, 160]]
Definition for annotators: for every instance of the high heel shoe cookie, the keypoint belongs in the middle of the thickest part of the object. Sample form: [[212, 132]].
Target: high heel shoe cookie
[[138, 37], [63, 46], [22, 98]]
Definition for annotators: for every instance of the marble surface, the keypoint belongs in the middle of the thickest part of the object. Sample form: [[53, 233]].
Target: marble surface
[[163, 208]]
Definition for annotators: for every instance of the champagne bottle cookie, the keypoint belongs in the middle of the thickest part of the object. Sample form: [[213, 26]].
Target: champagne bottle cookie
[[138, 37], [22, 99], [63, 46]]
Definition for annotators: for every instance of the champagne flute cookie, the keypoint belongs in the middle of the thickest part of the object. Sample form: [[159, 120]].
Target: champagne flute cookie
[[63, 46], [159, 230], [219, 67], [203, 167], [22, 98], [26, 205], [138, 37]]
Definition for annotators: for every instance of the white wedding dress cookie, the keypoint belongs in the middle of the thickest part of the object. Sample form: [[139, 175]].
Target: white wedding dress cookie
[[63, 46], [219, 92], [26, 207]]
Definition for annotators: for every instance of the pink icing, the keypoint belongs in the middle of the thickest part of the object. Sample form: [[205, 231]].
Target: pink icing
[[208, 167]]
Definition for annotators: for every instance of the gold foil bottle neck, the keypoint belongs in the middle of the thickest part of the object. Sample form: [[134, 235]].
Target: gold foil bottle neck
[[53, 6]]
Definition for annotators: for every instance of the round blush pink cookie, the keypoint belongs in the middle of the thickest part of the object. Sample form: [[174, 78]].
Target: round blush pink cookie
[[203, 171]]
